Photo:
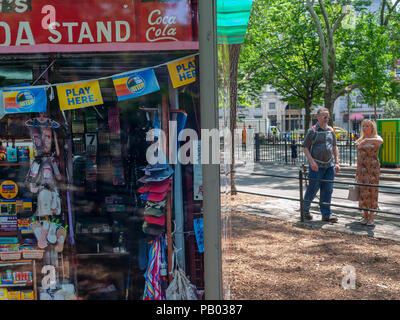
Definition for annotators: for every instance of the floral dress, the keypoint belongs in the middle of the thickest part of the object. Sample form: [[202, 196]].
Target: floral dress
[[368, 169]]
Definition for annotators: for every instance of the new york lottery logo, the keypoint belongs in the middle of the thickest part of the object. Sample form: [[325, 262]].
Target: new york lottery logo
[[135, 84], [25, 99]]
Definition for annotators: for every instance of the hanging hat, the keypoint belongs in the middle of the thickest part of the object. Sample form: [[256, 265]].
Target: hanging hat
[[157, 196], [153, 212], [156, 204], [157, 176], [160, 221], [156, 187], [152, 229], [144, 196]]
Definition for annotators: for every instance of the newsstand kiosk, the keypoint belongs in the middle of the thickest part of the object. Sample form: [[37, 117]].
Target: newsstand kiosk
[[95, 97]]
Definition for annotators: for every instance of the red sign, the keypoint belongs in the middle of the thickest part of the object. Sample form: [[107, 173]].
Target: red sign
[[94, 25], [164, 21]]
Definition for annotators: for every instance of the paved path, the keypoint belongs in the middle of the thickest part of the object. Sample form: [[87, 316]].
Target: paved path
[[387, 225]]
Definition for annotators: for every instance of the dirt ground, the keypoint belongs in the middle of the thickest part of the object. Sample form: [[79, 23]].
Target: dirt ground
[[274, 260]]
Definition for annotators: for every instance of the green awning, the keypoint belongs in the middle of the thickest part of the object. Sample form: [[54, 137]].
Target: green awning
[[232, 19]]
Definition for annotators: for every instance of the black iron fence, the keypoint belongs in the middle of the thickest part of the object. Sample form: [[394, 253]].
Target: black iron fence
[[280, 151], [302, 178]]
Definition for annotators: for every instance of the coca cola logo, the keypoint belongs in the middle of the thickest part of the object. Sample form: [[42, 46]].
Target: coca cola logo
[[161, 27]]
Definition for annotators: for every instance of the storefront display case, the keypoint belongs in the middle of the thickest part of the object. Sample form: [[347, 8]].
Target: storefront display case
[[87, 89]]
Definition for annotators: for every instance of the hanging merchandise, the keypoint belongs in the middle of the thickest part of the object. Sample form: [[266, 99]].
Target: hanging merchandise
[[199, 232], [153, 285], [180, 288], [8, 189], [11, 152], [3, 152]]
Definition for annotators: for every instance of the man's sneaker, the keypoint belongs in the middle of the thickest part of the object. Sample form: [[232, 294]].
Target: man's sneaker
[[363, 221], [330, 219], [307, 216], [370, 223]]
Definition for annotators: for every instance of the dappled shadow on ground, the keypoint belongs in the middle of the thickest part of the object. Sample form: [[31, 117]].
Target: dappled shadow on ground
[[271, 259]]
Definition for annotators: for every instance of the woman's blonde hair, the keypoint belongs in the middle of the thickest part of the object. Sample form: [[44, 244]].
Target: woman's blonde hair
[[374, 129]]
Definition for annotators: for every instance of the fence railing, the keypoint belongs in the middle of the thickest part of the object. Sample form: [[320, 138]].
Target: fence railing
[[302, 178], [280, 151]]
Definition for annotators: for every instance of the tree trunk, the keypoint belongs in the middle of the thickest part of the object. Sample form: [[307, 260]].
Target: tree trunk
[[375, 110], [307, 120], [329, 101], [234, 52]]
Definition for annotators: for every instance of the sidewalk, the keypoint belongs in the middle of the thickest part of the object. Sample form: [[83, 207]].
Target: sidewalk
[[387, 225]]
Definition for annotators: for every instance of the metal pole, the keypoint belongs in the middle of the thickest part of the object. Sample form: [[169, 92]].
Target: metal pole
[[351, 142], [213, 282], [301, 196], [286, 160], [257, 138]]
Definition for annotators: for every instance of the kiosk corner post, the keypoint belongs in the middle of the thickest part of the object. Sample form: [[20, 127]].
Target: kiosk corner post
[[211, 174]]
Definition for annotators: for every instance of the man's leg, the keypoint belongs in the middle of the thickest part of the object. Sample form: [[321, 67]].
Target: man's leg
[[312, 189], [326, 194]]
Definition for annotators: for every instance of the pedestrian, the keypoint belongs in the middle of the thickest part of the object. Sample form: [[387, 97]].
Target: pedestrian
[[294, 152], [368, 169], [323, 156], [244, 138]]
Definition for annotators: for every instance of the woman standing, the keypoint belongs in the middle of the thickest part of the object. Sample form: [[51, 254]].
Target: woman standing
[[368, 168]]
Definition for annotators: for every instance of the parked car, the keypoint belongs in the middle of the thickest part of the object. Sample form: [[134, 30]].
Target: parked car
[[340, 133]]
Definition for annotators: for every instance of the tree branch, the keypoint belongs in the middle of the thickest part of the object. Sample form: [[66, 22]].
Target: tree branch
[[338, 22], [321, 36], [345, 90], [391, 9], [382, 17], [326, 18]]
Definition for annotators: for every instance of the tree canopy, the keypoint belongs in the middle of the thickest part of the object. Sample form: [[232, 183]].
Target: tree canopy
[[307, 52]]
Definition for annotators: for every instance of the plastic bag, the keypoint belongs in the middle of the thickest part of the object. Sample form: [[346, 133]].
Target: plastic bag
[[180, 287]]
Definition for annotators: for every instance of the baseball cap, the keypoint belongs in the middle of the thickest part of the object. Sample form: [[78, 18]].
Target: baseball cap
[[156, 204], [144, 196], [157, 176], [156, 220], [153, 212], [156, 187], [157, 196], [152, 229]]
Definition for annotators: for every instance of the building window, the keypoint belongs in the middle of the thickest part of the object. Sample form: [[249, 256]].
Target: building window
[[272, 106], [257, 117]]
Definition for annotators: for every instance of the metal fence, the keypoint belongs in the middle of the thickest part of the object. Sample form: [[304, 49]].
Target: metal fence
[[303, 179], [280, 152]]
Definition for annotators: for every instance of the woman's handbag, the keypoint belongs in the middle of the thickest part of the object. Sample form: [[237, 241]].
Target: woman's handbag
[[354, 192]]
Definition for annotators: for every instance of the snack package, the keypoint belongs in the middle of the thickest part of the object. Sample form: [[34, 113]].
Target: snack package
[[27, 295], [3, 294], [14, 295]]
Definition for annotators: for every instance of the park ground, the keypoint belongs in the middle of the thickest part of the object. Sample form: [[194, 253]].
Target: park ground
[[271, 259]]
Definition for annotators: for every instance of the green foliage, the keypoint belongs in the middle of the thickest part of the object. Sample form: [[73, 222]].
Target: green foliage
[[392, 109], [282, 49], [283, 55], [373, 59]]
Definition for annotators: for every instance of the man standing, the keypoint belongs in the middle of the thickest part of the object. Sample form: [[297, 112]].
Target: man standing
[[323, 156]]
